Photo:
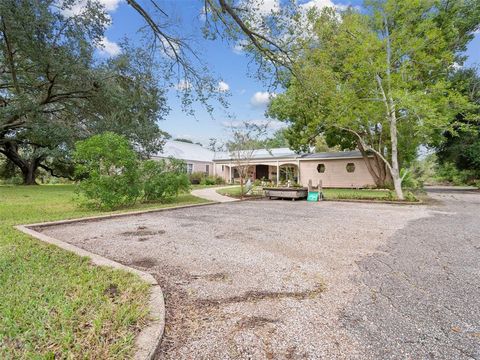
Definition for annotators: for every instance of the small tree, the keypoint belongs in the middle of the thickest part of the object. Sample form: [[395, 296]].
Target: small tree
[[163, 180], [244, 141], [107, 167]]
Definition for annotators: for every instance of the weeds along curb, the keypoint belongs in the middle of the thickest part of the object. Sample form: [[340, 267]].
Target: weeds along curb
[[365, 201], [148, 340]]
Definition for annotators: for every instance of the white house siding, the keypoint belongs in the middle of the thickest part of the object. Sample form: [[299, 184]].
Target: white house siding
[[200, 166]]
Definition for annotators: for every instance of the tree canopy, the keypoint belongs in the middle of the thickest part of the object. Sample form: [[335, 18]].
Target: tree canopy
[[54, 92], [378, 80]]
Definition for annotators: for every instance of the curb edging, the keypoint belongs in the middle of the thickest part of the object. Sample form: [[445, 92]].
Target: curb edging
[[115, 215], [148, 340]]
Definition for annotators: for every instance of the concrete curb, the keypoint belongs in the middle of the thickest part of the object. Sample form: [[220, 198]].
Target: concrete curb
[[115, 215], [148, 340]]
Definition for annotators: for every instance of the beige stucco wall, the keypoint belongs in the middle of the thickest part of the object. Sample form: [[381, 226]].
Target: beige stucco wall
[[336, 174]]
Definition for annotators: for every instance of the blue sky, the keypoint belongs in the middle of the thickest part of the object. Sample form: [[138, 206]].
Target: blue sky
[[247, 95]]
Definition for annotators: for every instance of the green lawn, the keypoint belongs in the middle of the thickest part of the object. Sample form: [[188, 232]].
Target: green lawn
[[360, 194], [235, 191], [54, 304], [332, 194]]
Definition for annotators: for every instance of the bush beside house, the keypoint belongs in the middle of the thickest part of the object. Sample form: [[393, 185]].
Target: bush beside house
[[111, 175]]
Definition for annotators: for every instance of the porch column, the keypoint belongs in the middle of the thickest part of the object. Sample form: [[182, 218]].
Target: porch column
[[298, 172], [278, 173], [230, 170]]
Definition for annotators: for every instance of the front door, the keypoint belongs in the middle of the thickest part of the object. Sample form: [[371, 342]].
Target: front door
[[261, 171]]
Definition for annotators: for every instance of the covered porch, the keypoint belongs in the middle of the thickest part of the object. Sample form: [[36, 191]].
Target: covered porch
[[269, 172]]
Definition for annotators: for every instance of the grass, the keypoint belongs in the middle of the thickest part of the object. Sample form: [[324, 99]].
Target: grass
[[235, 192], [332, 194], [54, 304], [358, 194]]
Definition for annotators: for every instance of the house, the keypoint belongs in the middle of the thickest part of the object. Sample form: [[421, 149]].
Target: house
[[343, 169], [197, 158]]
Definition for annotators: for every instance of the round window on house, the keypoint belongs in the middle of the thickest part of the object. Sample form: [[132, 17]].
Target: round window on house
[[321, 168], [350, 167]]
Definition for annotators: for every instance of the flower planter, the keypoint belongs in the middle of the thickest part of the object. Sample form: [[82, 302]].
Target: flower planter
[[286, 193]]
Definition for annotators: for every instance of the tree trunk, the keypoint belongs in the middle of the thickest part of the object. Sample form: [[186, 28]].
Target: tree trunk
[[377, 169], [29, 173], [397, 181], [241, 187], [28, 168]]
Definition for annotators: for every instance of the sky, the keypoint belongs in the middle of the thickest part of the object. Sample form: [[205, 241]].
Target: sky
[[248, 97]]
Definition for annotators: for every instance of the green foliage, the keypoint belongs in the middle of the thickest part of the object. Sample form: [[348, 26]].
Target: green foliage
[[59, 291], [196, 177], [56, 92], [410, 180], [277, 140], [461, 145], [409, 196], [365, 73], [212, 180], [163, 180], [107, 165], [449, 173]]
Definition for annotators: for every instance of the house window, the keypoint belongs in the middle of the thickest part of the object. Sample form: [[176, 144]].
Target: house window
[[321, 168], [207, 169], [350, 167], [189, 168]]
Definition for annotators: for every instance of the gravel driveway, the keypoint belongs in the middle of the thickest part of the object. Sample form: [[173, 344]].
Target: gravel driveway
[[294, 280]]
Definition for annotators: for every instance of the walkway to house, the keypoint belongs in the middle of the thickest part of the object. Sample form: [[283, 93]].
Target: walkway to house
[[212, 195]]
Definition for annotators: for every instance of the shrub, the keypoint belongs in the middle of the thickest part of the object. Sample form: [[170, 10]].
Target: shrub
[[107, 165], [409, 196], [196, 177], [410, 180], [163, 180], [448, 172], [219, 180], [212, 180]]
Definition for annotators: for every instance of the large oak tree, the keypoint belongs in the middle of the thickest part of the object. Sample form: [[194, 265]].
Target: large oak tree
[[54, 92]]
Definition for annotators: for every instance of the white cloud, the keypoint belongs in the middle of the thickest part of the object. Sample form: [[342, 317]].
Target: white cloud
[[183, 85], [238, 49], [266, 7], [110, 5], [320, 4], [261, 98], [79, 7], [109, 48], [223, 86]]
